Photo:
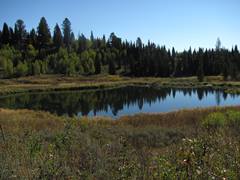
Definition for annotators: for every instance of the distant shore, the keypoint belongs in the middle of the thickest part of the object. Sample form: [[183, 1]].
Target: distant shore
[[63, 83]]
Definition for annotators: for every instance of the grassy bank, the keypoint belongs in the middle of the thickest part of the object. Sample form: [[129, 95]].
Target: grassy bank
[[61, 83], [197, 144], [186, 144]]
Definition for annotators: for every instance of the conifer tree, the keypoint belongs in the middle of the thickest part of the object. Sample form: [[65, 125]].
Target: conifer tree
[[92, 37], [200, 71], [66, 28], [57, 37], [33, 38], [97, 63], [43, 34], [5, 38], [111, 67], [20, 33]]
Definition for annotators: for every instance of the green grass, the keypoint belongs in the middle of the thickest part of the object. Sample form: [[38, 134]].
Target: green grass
[[215, 120], [176, 145]]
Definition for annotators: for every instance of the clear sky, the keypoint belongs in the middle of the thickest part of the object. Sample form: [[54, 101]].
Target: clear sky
[[178, 23]]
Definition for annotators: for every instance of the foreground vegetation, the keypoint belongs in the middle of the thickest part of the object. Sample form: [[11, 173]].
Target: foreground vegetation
[[194, 144]]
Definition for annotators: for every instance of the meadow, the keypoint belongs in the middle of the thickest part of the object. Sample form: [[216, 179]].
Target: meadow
[[185, 144], [194, 144]]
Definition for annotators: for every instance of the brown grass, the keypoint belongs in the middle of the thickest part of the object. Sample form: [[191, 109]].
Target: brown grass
[[60, 82], [18, 120], [39, 120], [41, 145], [188, 117]]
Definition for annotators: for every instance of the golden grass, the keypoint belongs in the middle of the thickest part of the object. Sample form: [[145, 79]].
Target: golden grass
[[42, 145], [18, 120], [60, 82]]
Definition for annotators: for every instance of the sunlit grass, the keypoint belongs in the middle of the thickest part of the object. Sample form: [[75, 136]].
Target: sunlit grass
[[59, 82], [40, 145]]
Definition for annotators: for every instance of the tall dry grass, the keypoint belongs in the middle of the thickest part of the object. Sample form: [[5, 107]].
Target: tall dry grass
[[39, 145]]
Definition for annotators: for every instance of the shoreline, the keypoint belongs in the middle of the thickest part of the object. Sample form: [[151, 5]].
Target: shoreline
[[133, 117], [61, 83]]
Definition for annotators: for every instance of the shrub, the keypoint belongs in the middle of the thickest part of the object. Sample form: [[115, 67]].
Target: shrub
[[233, 117], [214, 120], [234, 121]]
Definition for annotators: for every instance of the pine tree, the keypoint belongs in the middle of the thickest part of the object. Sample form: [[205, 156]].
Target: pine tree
[[111, 67], [92, 37], [12, 37], [5, 34], [43, 34], [97, 63], [103, 41], [57, 37], [225, 72], [82, 43], [139, 43], [233, 71], [173, 62], [200, 71], [66, 28], [33, 38], [20, 33], [114, 41], [72, 37]]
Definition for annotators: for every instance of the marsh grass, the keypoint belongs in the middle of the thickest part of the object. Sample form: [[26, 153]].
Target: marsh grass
[[177, 145], [63, 83]]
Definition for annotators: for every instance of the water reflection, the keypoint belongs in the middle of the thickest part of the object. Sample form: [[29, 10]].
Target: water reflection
[[121, 101]]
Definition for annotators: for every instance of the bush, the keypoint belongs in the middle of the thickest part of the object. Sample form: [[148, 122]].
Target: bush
[[233, 117], [214, 120], [234, 121]]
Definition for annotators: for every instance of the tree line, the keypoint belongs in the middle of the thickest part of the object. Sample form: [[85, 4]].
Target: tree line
[[39, 51]]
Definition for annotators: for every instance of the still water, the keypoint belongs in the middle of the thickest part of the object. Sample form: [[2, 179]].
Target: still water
[[117, 102]]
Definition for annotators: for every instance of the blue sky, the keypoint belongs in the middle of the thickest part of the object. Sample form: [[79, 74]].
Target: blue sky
[[178, 23]]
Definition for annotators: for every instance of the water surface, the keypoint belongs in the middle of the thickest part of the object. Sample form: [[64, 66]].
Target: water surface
[[120, 101]]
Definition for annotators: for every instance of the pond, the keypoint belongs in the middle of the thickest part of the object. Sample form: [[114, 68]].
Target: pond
[[121, 101]]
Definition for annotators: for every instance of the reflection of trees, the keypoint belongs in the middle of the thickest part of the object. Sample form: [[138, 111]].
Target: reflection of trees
[[71, 103], [218, 98], [200, 93], [225, 95]]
